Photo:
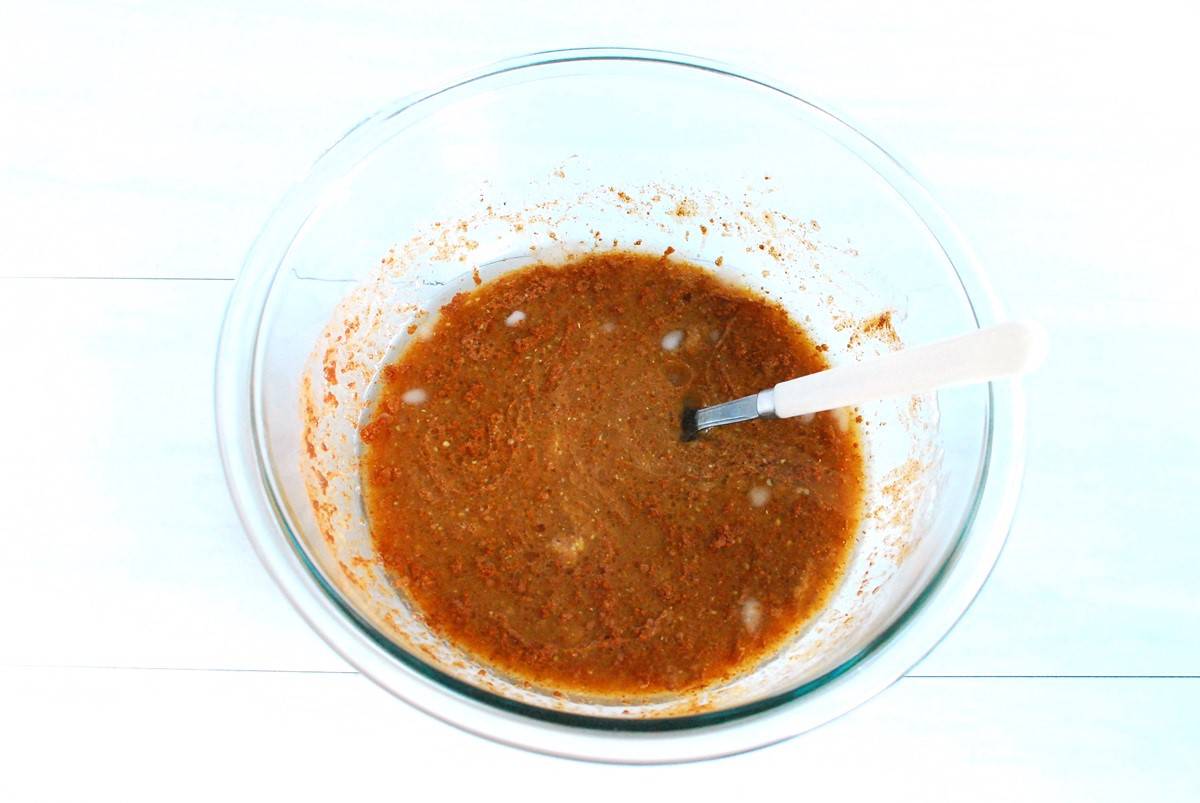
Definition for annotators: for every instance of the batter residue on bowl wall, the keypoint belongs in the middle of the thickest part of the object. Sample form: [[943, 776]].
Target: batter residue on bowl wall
[[810, 269]]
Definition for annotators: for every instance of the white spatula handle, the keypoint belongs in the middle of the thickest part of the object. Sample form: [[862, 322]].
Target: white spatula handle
[[996, 352]]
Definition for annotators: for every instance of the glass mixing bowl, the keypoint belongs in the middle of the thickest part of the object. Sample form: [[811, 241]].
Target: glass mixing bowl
[[546, 156]]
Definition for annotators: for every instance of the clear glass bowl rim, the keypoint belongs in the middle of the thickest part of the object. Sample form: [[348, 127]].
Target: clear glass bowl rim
[[916, 631]]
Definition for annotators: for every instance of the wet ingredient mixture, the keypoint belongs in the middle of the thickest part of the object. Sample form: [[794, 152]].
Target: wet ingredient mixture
[[526, 483]]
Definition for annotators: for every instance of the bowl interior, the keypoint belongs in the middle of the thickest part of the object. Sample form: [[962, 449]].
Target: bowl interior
[[559, 158]]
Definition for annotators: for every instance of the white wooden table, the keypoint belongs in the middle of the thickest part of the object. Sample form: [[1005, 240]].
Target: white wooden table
[[144, 654]]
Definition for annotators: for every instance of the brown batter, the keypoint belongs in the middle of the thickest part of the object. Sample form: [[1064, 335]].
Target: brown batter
[[526, 483]]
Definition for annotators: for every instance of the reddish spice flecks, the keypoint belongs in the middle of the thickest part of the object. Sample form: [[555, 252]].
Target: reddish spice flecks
[[526, 483]]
